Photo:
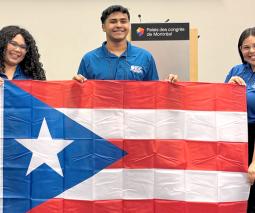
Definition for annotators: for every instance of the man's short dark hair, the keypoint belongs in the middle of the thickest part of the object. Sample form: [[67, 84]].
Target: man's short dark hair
[[114, 8]]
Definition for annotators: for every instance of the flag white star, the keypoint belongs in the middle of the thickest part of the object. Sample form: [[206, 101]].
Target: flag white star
[[44, 149]]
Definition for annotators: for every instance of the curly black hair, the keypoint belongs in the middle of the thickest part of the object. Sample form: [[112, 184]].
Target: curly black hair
[[30, 65]]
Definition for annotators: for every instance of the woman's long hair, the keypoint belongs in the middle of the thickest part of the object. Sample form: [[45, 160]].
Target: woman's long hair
[[245, 34], [30, 65]]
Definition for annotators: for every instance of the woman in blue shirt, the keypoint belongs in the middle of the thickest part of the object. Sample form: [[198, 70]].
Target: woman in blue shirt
[[19, 57], [243, 74]]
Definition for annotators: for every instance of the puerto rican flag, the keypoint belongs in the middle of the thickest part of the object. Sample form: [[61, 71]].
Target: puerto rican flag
[[123, 147]]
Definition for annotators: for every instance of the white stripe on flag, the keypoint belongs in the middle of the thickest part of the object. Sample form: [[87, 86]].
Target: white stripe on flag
[[181, 185], [162, 124]]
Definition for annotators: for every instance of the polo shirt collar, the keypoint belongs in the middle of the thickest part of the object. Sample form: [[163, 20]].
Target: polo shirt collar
[[17, 74], [248, 66], [109, 54]]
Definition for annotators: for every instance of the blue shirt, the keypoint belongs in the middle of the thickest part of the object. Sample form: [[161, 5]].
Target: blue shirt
[[134, 64], [246, 73], [18, 75]]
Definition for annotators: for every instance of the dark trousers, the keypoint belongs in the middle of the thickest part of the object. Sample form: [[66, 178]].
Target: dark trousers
[[251, 139]]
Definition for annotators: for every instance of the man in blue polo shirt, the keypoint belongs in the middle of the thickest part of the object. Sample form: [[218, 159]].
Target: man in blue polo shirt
[[117, 59]]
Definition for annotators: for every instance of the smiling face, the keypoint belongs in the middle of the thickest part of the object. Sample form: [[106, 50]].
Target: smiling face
[[116, 27], [248, 50], [15, 51]]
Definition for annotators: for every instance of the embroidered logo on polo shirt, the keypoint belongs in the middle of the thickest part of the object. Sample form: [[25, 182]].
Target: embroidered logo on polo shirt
[[136, 69]]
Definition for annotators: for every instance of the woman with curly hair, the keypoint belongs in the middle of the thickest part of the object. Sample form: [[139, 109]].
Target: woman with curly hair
[[19, 57]]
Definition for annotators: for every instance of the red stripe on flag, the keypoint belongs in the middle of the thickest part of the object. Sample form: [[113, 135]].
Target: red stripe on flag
[[137, 206], [153, 154], [182, 154], [138, 95]]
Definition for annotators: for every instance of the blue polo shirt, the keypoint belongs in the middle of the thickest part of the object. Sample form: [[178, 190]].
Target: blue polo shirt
[[246, 73], [18, 75], [134, 64]]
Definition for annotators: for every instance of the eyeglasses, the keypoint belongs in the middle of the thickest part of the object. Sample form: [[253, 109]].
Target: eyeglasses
[[16, 45], [247, 48]]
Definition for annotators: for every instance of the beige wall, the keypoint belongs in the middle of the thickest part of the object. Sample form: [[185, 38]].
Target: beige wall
[[66, 29]]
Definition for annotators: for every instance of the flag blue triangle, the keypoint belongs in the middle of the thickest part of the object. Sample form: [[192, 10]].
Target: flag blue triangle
[[87, 155]]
